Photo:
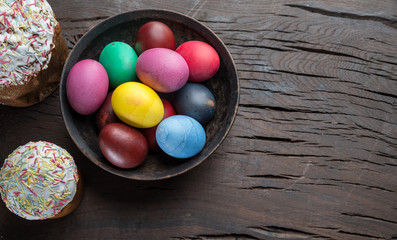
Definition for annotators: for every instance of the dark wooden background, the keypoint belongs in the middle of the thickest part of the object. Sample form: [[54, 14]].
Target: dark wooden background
[[312, 153]]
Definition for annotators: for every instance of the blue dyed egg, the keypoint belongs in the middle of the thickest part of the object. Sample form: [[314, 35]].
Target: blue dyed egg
[[180, 136], [195, 100]]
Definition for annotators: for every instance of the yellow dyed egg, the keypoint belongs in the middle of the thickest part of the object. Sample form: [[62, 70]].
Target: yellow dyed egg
[[137, 105]]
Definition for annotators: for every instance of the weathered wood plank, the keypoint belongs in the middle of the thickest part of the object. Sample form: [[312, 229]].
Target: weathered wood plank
[[312, 153]]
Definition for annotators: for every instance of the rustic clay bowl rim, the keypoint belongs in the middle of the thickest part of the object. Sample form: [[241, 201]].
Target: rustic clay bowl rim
[[79, 136]]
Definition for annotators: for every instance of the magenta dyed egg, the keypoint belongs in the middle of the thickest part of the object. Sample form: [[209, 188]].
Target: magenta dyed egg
[[87, 86], [162, 69]]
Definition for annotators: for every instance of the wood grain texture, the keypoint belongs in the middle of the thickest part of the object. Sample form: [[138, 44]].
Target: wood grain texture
[[312, 153]]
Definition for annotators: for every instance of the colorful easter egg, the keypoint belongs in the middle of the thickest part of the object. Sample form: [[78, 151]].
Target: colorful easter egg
[[105, 115], [87, 86], [119, 60], [123, 146], [162, 69], [180, 136], [137, 105], [154, 34], [202, 59], [195, 100], [150, 133]]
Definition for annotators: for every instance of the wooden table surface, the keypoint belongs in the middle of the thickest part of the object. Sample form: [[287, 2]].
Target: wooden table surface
[[313, 150]]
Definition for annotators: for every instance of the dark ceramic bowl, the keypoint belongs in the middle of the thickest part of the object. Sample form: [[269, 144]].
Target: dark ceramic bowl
[[123, 27]]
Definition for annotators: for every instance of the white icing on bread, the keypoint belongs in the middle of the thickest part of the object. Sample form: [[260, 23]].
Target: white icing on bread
[[27, 30]]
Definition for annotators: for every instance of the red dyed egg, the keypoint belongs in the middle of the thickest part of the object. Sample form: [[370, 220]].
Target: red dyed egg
[[105, 114], [123, 146], [202, 59], [150, 133], [154, 34]]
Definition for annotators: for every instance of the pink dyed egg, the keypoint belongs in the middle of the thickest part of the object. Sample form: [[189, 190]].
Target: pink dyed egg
[[162, 69], [87, 86]]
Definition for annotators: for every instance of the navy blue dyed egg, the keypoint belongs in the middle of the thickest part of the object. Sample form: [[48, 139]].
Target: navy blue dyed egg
[[180, 136], [195, 100]]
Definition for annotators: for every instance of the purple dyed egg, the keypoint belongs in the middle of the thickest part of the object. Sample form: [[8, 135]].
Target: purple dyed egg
[[162, 69], [87, 86]]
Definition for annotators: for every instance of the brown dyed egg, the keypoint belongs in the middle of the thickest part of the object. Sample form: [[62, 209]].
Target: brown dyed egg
[[123, 146], [105, 114], [154, 34]]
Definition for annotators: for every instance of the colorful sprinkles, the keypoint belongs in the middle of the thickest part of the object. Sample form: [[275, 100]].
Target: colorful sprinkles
[[37, 180], [26, 32]]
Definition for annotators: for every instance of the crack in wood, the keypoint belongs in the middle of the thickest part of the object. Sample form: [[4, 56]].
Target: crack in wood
[[263, 47], [387, 62], [359, 215], [318, 184], [376, 132], [388, 74], [257, 71], [381, 120], [286, 15], [235, 30], [357, 63], [257, 151], [384, 76], [371, 108], [371, 162], [269, 188], [299, 155], [346, 81], [280, 40], [359, 234], [342, 160], [382, 154], [354, 70], [378, 92], [321, 227], [82, 19], [328, 52], [351, 183], [275, 177], [237, 153], [357, 48], [338, 230], [285, 109], [376, 138], [277, 139], [241, 236], [388, 22], [390, 164], [284, 232], [354, 95], [303, 74], [380, 41]]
